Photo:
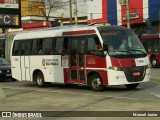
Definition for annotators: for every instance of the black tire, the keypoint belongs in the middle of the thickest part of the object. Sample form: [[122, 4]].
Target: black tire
[[39, 78], [13, 79], [95, 82], [153, 62], [132, 86]]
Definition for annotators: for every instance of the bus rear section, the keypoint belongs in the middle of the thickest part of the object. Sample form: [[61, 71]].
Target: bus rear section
[[90, 55], [151, 43]]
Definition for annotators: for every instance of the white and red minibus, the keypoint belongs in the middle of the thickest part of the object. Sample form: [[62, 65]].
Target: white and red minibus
[[87, 55]]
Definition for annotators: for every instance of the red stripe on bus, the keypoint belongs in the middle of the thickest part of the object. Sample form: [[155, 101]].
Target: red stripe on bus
[[123, 62], [82, 32], [150, 36]]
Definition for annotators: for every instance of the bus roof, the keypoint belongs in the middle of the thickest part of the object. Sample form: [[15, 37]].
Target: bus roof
[[65, 31]]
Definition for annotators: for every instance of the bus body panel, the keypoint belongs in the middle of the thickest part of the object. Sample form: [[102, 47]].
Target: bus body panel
[[50, 66], [27, 68], [127, 69], [97, 64], [16, 67]]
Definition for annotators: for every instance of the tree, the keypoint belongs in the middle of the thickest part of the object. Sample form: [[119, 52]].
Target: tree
[[52, 5]]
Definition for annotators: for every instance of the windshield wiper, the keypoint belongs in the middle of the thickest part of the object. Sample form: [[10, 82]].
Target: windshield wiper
[[137, 50], [126, 51]]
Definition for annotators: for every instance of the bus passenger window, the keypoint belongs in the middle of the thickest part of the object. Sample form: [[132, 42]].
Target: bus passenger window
[[15, 48], [47, 46], [61, 45], [94, 46]]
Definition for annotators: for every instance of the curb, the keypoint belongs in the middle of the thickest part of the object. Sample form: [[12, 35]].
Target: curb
[[2, 94]]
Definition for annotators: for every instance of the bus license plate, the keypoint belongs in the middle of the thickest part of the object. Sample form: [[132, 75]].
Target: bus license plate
[[8, 75], [136, 73]]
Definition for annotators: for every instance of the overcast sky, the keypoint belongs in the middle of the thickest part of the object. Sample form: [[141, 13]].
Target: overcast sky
[[82, 9]]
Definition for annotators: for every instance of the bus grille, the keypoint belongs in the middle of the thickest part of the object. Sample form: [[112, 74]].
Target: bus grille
[[131, 77]]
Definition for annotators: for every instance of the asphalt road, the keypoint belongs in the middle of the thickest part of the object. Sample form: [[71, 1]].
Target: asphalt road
[[24, 96]]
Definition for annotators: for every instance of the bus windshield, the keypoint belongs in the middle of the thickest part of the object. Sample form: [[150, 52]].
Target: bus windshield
[[123, 43]]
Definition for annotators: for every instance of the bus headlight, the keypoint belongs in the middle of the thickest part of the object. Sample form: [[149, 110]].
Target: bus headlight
[[0, 71], [115, 68]]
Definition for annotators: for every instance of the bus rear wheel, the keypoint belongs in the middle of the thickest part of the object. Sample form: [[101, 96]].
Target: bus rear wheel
[[132, 86], [95, 82], [39, 78]]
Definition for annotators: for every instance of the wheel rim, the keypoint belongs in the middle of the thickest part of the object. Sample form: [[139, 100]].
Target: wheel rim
[[96, 83], [39, 80]]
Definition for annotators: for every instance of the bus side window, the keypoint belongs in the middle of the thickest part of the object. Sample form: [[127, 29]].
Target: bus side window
[[22, 47], [34, 47], [15, 48], [91, 45], [65, 46], [59, 45], [47, 45], [28, 47]]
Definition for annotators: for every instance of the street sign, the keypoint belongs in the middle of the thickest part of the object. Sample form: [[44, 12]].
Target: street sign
[[10, 13], [9, 3], [7, 19]]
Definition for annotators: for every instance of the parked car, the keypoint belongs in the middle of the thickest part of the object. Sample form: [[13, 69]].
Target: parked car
[[5, 70]]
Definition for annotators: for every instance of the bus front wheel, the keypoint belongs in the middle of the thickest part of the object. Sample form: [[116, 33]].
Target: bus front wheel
[[132, 86], [40, 80], [96, 83]]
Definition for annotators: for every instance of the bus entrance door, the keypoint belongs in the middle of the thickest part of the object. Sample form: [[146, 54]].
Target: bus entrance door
[[25, 68], [77, 64]]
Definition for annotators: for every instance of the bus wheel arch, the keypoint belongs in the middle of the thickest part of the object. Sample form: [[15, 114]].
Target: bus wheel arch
[[94, 80], [38, 77]]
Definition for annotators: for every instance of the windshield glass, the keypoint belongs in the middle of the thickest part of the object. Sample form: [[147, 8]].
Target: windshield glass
[[3, 62], [123, 43]]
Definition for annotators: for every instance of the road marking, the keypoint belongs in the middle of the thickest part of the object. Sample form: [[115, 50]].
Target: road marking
[[155, 81], [74, 93], [155, 94]]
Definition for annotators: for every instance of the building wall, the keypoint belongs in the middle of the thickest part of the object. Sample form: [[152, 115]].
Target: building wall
[[113, 12], [31, 8]]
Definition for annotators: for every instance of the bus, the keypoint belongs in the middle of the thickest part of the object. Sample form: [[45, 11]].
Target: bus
[[151, 43], [5, 45], [83, 55], [2, 45]]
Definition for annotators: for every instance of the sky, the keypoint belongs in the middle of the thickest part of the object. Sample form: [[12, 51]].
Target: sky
[[81, 6]]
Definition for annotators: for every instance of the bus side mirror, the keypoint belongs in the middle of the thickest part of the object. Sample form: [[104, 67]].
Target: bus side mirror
[[105, 47]]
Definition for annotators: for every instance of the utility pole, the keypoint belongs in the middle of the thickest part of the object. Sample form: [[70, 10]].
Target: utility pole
[[128, 14], [75, 12], [91, 18], [70, 4]]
